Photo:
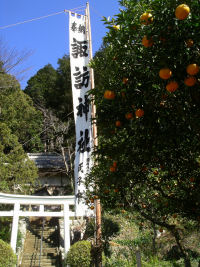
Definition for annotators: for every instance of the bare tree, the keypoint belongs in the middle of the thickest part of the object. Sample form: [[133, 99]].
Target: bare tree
[[12, 60], [57, 137]]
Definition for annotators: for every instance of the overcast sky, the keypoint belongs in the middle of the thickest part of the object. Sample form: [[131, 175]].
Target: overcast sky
[[48, 38]]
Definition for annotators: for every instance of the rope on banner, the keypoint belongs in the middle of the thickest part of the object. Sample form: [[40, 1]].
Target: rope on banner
[[77, 8], [73, 12]]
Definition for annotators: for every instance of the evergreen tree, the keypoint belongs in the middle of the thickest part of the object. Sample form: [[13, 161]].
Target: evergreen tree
[[17, 172], [19, 114]]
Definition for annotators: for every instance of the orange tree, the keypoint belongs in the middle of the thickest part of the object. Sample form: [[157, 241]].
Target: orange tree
[[148, 109]]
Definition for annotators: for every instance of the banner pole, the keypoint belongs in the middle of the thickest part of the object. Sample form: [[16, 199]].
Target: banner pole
[[98, 261]]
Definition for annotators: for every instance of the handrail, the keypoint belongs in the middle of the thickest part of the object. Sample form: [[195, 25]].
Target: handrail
[[41, 240]]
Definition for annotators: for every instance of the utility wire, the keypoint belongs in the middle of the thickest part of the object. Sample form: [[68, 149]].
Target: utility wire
[[22, 22], [50, 15]]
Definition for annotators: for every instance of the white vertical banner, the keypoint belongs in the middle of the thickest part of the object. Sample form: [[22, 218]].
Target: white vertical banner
[[80, 77]]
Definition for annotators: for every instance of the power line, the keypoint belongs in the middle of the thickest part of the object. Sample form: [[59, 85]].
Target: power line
[[22, 22], [43, 17]]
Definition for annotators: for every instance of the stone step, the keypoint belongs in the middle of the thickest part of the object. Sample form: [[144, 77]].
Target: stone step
[[31, 253], [39, 235], [46, 265], [47, 244], [44, 233], [46, 228], [43, 256], [37, 261], [48, 255], [38, 238], [37, 265], [44, 249]]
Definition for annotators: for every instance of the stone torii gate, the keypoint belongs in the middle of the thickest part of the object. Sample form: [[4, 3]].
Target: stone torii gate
[[41, 201]]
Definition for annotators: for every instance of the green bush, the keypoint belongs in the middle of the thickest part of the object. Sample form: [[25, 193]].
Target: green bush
[[5, 229], [155, 262], [79, 254], [7, 256]]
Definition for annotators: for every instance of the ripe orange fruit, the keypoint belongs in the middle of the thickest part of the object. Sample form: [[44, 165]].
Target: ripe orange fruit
[[118, 123], [129, 116], [189, 42], [160, 230], [115, 164], [144, 206], [144, 168], [155, 172], [192, 69], [146, 18], [92, 200], [190, 81], [125, 80], [192, 179], [147, 42], [182, 12], [165, 73], [92, 207], [139, 113], [172, 86], [116, 27], [112, 169], [116, 190], [96, 197], [108, 94]]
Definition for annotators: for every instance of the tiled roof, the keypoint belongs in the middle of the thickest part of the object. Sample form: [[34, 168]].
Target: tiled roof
[[47, 160]]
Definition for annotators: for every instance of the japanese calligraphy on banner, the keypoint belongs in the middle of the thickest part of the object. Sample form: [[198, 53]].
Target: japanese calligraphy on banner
[[80, 76]]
